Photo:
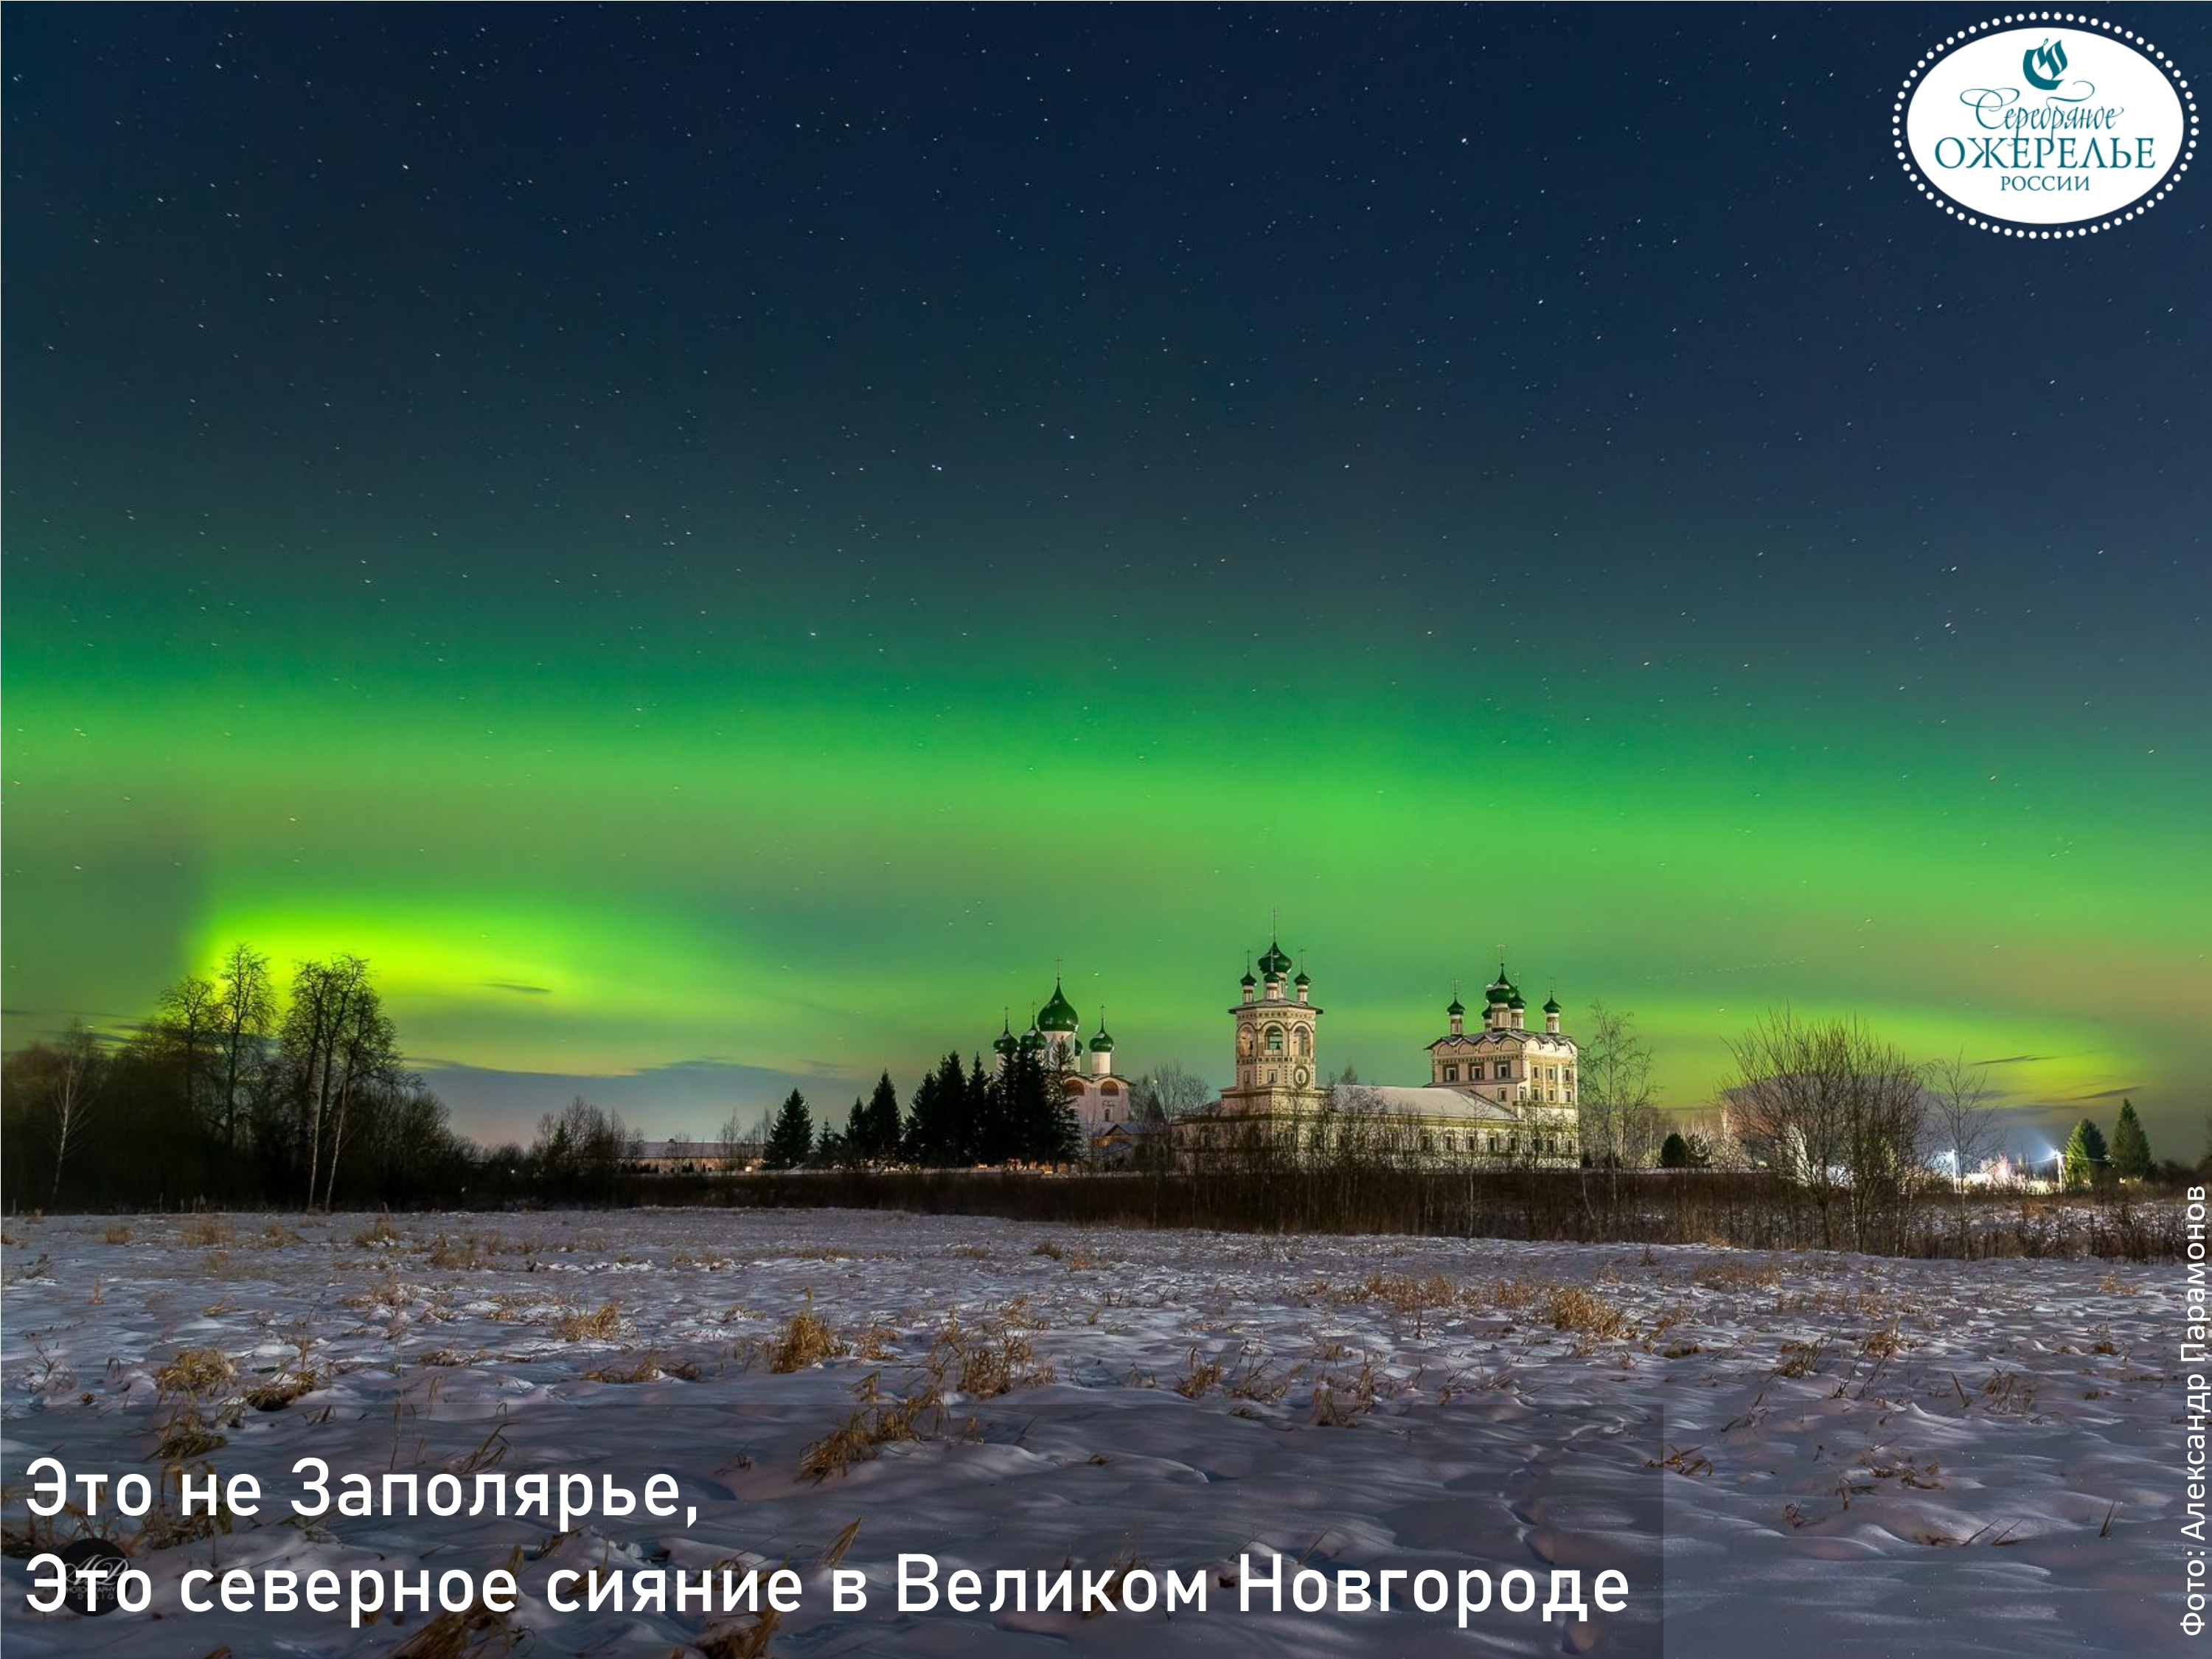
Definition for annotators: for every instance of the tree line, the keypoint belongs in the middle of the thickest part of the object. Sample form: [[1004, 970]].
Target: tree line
[[238, 1089], [958, 1116]]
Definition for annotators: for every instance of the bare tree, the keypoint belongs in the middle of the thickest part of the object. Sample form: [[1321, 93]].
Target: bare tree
[[323, 998], [368, 1062], [1616, 1107], [185, 1024], [737, 1138], [1837, 1111], [69, 1094], [1170, 1092], [246, 1014], [1963, 1120]]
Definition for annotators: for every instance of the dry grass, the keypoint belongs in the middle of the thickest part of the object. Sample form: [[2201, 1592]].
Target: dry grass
[[1802, 1358], [377, 1234], [276, 1392], [207, 1230], [1200, 1380], [1409, 1294], [119, 1233], [186, 1381], [196, 1371], [1884, 1344], [645, 1368], [989, 1369], [735, 1641], [589, 1324], [1737, 1276], [1125, 1562], [473, 1634], [1255, 1385], [805, 1340], [472, 1250], [1572, 1307], [1515, 1295], [878, 1423]]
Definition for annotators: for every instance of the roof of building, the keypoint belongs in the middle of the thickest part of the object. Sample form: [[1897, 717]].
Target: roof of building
[[1058, 1014], [1432, 1104], [693, 1149], [1275, 964], [1521, 1035]]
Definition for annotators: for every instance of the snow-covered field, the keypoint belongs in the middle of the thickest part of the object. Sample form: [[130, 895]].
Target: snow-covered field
[[1853, 1456]]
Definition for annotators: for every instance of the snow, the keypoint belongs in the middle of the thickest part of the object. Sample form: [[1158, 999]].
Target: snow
[[1851, 1454]]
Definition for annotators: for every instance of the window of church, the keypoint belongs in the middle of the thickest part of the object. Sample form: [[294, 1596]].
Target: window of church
[[1275, 1039], [1451, 1073], [1110, 1088]]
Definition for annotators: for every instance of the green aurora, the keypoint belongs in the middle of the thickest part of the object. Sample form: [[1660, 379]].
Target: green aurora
[[819, 875]]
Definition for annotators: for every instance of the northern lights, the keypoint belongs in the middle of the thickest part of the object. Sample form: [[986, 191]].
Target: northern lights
[[714, 548]]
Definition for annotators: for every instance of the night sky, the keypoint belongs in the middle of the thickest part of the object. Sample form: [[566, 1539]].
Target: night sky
[[713, 547]]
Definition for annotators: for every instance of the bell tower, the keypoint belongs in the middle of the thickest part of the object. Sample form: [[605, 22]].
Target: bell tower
[[1275, 1020]]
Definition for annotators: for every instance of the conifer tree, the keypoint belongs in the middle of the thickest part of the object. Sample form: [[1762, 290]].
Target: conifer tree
[[791, 1138], [934, 1132], [875, 1132], [2130, 1145], [1675, 1151], [978, 1116], [2084, 1160]]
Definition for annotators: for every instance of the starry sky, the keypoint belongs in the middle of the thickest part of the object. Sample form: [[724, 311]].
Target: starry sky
[[717, 547]]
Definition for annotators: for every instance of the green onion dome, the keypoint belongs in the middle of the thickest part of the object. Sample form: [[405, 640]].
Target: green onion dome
[[1550, 1004], [1513, 999], [1302, 980], [1247, 981], [1032, 1039], [1058, 1014], [1456, 1008], [1102, 1045], [1275, 964], [1006, 1042]]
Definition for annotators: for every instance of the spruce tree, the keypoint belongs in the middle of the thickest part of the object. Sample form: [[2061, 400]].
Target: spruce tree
[[791, 1138], [2130, 1145], [1673, 1152], [918, 1140], [2084, 1160], [933, 1137], [978, 1107], [875, 1134], [1023, 1098]]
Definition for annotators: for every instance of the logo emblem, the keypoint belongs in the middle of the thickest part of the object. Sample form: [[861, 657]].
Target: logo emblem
[[2024, 132], [2050, 59], [94, 1565]]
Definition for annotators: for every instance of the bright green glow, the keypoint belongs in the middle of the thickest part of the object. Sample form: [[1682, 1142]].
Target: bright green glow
[[827, 865]]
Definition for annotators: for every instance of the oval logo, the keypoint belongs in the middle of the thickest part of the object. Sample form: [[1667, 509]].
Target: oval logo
[[2044, 124]]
